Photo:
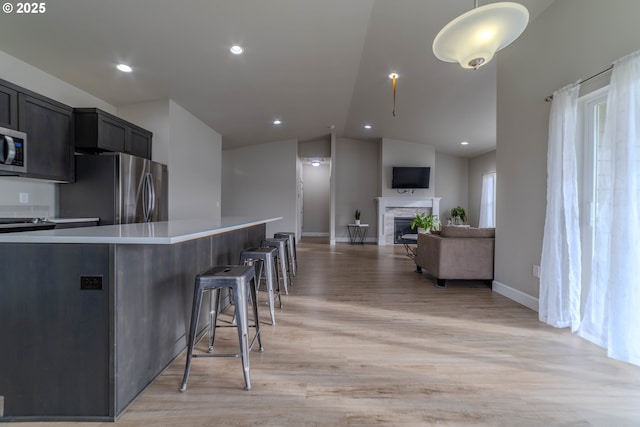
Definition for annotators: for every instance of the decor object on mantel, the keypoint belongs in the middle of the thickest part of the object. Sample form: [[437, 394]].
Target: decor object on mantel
[[356, 216], [425, 222], [473, 38], [458, 216]]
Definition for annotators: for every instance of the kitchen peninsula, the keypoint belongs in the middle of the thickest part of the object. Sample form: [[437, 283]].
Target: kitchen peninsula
[[91, 316]]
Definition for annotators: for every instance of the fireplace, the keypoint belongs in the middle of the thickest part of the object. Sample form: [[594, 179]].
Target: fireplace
[[401, 225], [390, 208]]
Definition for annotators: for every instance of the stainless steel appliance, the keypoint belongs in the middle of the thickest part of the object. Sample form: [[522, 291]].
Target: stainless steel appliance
[[13, 152], [118, 188], [12, 225]]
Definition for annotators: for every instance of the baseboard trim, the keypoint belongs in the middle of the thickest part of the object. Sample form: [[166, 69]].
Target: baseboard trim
[[314, 234], [346, 240], [516, 295]]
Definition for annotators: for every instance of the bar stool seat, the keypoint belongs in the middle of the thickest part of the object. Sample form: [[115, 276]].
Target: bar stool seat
[[293, 256], [237, 279], [267, 258], [281, 244]]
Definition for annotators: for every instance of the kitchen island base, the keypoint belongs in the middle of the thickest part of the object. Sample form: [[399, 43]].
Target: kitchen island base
[[87, 327]]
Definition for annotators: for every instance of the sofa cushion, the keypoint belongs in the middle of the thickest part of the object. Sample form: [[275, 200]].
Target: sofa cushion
[[453, 231]]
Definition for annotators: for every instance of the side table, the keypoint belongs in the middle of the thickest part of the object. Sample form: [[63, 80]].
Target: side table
[[357, 232], [407, 241]]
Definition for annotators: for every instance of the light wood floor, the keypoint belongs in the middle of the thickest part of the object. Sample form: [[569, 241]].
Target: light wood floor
[[365, 340]]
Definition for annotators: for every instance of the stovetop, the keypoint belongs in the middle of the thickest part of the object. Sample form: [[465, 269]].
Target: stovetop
[[10, 225]]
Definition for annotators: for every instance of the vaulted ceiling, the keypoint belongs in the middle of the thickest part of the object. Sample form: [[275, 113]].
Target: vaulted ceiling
[[310, 63]]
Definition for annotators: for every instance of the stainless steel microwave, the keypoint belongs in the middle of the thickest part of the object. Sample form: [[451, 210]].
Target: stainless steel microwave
[[13, 151]]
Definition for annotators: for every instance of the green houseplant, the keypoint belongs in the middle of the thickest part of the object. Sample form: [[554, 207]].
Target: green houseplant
[[425, 221], [458, 215], [356, 216]]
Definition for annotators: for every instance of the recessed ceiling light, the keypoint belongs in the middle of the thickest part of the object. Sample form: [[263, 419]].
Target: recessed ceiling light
[[464, 143], [393, 76], [124, 68], [315, 163], [236, 50], [367, 126], [277, 122]]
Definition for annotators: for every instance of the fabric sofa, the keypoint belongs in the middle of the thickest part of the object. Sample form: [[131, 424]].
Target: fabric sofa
[[457, 253]]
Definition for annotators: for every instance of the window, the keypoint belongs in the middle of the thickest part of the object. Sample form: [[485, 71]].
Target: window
[[593, 109], [488, 201]]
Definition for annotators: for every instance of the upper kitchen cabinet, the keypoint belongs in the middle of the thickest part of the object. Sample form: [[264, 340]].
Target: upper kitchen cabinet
[[97, 131], [8, 107], [49, 128], [139, 142]]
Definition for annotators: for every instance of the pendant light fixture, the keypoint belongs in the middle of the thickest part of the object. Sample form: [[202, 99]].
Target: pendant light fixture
[[475, 36], [394, 78]]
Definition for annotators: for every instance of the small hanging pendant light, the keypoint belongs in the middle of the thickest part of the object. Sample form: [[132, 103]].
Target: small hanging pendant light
[[394, 78], [474, 37]]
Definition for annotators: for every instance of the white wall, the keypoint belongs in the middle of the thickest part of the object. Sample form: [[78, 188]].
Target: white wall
[[451, 183], [570, 40], [316, 200], [318, 148], [403, 153], [195, 185], [357, 175], [42, 194], [260, 180], [478, 166]]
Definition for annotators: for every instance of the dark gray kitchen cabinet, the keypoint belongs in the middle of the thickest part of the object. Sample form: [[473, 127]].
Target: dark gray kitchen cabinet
[[49, 128], [139, 143], [98, 131], [8, 107]]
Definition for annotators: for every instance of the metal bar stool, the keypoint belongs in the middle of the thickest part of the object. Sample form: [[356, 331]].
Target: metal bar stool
[[281, 244], [293, 256], [238, 279], [267, 257]]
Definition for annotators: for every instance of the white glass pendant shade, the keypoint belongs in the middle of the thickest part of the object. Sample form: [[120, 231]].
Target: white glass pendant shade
[[474, 37]]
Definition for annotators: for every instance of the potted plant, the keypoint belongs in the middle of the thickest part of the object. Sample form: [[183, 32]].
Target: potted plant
[[357, 216], [458, 215], [425, 222]]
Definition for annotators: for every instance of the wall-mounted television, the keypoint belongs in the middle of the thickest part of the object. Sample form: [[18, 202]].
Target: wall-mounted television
[[410, 177]]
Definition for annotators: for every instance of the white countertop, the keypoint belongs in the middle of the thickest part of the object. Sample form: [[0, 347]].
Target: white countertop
[[151, 233], [71, 220]]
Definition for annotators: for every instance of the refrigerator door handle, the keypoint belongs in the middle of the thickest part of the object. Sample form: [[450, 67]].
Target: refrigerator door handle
[[152, 197], [145, 198]]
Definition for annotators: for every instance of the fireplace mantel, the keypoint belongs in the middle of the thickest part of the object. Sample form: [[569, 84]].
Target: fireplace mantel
[[386, 203]]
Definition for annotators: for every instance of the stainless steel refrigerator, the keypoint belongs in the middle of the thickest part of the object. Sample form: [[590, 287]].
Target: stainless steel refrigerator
[[118, 188]]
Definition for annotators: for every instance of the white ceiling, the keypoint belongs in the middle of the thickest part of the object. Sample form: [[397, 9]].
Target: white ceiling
[[310, 63]]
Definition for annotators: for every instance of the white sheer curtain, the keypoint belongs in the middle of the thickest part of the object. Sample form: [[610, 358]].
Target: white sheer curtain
[[560, 269], [612, 309], [488, 201]]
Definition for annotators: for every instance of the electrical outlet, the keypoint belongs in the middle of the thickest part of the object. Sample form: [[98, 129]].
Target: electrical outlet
[[536, 271], [90, 283], [24, 197]]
